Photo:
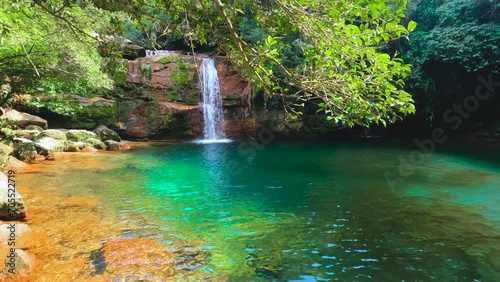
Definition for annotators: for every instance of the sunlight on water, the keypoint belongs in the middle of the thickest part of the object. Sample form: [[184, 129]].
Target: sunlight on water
[[214, 141], [298, 212]]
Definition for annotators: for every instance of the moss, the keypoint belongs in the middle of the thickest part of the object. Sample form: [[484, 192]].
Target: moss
[[92, 116], [172, 94], [120, 76], [179, 79], [181, 64], [166, 60], [146, 70]]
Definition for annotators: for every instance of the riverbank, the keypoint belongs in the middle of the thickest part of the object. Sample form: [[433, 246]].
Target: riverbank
[[65, 228], [96, 216], [29, 221]]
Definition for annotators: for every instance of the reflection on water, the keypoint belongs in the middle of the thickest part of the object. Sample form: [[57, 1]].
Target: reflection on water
[[302, 212]]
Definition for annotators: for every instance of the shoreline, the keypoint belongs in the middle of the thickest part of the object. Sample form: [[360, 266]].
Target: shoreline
[[51, 205], [56, 220]]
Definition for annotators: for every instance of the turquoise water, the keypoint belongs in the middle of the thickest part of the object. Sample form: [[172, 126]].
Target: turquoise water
[[312, 212]]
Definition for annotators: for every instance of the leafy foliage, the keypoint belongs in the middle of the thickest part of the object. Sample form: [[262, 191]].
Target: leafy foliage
[[465, 32], [455, 41], [326, 53], [47, 47]]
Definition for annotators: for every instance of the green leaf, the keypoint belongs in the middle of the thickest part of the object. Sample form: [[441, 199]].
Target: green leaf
[[411, 26]]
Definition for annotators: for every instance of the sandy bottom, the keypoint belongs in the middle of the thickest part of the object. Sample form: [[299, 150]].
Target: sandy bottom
[[66, 230]]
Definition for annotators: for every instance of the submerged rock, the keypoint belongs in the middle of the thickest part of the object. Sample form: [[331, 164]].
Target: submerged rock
[[11, 204], [105, 133], [89, 150], [133, 259], [190, 258], [116, 146], [80, 135], [21, 119]]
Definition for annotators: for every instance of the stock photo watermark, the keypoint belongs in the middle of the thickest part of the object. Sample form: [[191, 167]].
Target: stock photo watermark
[[453, 116], [252, 146], [11, 259]]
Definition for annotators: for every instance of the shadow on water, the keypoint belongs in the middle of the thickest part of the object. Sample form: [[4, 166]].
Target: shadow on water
[[301, 212]]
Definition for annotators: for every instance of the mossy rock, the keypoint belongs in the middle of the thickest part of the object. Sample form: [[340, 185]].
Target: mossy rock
[[5, 151], [34, 127], [70, 146], [116, 146], [52, 133], [25, 152], [89, 117], [80, 135], [98, 144], [28, 134], [48, 145], [10, 210], [105, 133]]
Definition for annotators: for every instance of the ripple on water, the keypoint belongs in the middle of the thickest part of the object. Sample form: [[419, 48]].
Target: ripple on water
[[301, 214]]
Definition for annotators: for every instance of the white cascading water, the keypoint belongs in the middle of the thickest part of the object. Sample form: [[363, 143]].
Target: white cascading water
[[213, 129], [158, 52]]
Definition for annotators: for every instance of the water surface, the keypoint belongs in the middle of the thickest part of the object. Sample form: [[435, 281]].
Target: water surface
[[306, 212]]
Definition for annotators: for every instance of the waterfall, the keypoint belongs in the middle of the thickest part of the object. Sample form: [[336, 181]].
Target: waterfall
[[158, 52], [213, 115]]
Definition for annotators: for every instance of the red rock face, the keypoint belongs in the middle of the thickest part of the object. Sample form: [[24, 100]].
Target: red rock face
[[160, 71], [232, 86], [163, 120], [137, 123], [172, 85]]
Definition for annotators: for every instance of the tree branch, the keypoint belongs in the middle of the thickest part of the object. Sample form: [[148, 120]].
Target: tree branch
[[239, 45]]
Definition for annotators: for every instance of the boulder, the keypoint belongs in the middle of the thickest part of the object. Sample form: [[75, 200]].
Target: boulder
[[130, 51], [89, 150], [27, 134], [22, 120], [98, 144], [48, 145], [52, 156], [15, 164], [70, 146], [11, 204], [18, 263], [80, 135], [52, 133], [34, 127], [5, 151], [17, 229], [83, 145], [105, 133], [25, 152], [116, 146]]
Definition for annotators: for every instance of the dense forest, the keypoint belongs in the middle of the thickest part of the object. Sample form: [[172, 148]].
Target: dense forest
[[356, 62], [261, 140]]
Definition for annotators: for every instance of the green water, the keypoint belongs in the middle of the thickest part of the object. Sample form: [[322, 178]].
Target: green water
[[318, 212]]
